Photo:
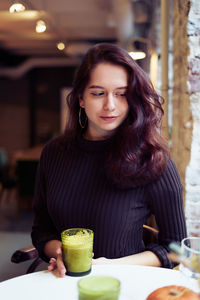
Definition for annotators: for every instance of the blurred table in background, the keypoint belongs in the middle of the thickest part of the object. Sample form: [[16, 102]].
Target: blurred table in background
[[28, 154], [24, 163]]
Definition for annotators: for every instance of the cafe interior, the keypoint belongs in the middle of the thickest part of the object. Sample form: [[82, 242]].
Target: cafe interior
[[42, 43]]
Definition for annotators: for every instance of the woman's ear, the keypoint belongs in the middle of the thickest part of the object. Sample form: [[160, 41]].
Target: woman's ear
[[81, 101]]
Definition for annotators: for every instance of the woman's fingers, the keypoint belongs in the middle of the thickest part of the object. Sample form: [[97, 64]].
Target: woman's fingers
[[59, 251], [60, 265], [56, 264], [50, 268], [52, 263]]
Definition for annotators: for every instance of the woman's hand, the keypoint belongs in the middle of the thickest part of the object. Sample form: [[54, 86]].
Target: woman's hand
[[53, 249], [56, 265]]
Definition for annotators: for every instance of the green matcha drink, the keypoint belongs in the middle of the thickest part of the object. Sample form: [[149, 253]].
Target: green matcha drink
[[77, 244], [99, 288]]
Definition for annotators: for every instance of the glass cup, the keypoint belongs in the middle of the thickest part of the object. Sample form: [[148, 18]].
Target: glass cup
[[77, 244], [99, 288], [190, 251]]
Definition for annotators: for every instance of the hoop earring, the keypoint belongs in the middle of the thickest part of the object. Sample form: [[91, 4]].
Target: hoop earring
[[80, 119]]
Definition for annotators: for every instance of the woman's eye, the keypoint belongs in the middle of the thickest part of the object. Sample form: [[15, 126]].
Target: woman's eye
[[121, 94], [97, 94]]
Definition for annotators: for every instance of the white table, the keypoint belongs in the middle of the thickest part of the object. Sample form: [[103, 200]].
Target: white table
[[136, 283]]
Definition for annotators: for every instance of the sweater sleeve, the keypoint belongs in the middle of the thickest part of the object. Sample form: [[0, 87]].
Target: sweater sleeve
[[166, 203], [43, 229]]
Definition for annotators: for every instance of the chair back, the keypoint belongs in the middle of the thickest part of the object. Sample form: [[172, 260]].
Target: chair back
[[150, 235]]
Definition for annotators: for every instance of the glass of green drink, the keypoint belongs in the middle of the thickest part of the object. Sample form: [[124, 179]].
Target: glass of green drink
[[99, 288], [77, 244]]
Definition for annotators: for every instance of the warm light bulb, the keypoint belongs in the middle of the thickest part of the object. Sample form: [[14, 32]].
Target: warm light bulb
[[40, 26], [137, 55], [60, 46], [16, 7]]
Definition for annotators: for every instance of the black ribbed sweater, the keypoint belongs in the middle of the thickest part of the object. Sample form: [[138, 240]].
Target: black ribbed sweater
[[73, 191]]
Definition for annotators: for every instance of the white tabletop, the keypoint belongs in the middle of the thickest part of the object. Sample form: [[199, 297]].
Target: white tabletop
[[136, 283]]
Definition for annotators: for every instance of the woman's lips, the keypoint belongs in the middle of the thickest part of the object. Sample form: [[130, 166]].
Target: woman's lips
[[109, 119]]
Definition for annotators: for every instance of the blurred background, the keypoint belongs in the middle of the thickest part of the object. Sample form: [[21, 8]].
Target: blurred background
[[41, 45]]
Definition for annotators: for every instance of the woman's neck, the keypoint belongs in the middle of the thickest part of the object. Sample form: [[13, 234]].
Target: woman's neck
[[92, 137]]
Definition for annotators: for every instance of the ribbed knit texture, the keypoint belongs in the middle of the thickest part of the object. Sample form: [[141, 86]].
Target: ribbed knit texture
[[72, 190]]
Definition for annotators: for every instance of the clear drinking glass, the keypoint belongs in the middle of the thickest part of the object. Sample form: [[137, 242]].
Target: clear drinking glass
[[190, 251], [77, 244]]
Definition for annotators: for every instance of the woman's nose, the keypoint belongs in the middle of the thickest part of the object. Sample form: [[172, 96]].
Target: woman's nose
[[109, 103]]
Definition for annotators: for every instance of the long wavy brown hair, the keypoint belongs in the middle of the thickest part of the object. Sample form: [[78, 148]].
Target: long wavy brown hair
[[137, 152]]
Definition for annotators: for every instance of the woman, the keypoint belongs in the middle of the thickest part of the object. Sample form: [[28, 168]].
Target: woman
[[111, 169]]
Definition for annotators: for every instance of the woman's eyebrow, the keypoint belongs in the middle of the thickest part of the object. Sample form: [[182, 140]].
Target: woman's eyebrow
[[95, 87], [101, 87], [121, 88]]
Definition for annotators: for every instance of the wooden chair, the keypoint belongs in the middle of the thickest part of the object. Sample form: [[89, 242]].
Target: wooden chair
[[150, 235], [25, 254]]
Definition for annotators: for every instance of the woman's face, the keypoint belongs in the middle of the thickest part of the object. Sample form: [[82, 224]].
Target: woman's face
[[104, 100]]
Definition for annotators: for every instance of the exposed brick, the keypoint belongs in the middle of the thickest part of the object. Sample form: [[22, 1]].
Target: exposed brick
[[194, 65], [194, 81], [192, 208]]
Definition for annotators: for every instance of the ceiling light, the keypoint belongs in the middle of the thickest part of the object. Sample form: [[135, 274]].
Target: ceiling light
[[60, 46], [16, 7], [137, 55], [139, 47], [40, 26]]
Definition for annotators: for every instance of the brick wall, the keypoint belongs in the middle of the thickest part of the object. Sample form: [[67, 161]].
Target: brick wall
[[193, 82], [186, 105]]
